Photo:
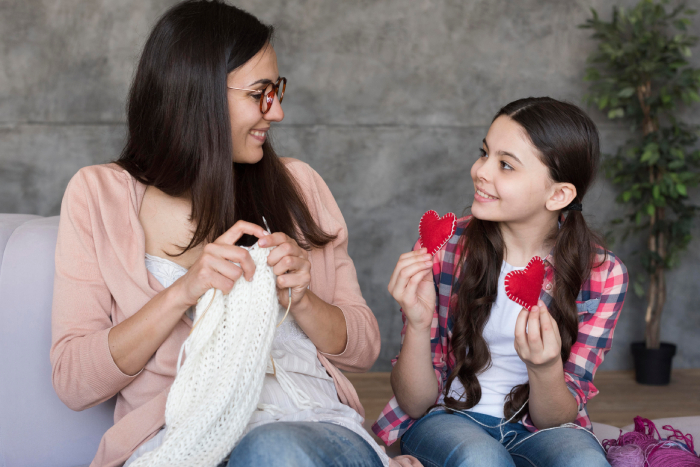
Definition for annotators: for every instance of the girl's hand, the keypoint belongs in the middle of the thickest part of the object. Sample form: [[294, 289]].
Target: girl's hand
[[291, 265], [215, 269], [413, 288], [540, 345], [404, 461]]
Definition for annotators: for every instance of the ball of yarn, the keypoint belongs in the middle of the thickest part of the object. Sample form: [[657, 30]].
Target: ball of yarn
[[626, 456], [644, 447]]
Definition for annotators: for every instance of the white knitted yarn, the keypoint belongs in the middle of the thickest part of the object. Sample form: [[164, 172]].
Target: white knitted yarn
[[218, 387]]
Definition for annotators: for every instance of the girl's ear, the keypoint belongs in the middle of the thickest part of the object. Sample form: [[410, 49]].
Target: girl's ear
[[562, 194]]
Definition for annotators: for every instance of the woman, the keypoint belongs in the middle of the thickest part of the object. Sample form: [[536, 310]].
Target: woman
[[503, 385], [140, 240]]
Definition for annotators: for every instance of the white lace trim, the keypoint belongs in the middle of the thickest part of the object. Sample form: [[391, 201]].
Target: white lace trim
[[164, 270], [167, 272], [289, 331]]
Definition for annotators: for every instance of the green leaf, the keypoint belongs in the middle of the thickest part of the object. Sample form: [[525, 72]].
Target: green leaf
[[681, 189], [677, 64], [675, 165], [626, 92], [592, 74], [650, 154], [651, 209], [626, 196], [638, 218], [678, 153], [656, 192], [639, 289], [616, 113]]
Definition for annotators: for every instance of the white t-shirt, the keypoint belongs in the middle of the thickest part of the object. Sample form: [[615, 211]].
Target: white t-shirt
[[507, 369]]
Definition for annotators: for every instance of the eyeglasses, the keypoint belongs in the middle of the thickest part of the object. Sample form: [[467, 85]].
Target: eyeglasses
[[267, 96]]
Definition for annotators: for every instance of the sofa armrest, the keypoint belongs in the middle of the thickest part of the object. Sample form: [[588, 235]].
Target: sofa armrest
[[36, 428]]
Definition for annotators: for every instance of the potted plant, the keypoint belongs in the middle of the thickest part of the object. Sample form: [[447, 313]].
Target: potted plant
[[640, 74]]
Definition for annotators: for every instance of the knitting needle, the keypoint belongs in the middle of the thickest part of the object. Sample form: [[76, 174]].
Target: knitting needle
[[289, 304]]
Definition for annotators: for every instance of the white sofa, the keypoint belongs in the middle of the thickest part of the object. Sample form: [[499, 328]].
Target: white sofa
[[36, 429]]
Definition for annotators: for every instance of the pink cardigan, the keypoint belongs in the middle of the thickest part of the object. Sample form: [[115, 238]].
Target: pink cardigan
[[101, 279]]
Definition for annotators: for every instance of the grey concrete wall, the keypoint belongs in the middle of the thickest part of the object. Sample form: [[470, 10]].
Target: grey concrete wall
[[387, 100]]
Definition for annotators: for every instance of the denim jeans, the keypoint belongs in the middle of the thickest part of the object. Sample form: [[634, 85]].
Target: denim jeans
[[443, 439], [303, 444]]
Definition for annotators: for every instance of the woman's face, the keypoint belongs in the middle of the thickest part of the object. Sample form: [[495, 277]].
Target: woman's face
[[511, 184], [249, 126]]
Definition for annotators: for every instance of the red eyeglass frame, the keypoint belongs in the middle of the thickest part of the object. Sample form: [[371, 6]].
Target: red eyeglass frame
[[269, 97]]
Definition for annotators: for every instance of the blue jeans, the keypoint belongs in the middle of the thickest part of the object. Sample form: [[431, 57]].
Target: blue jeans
[[441, 439], [302, 444]]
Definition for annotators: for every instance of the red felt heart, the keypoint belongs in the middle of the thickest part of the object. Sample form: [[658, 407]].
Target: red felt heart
[[436, 231], [524, 286]]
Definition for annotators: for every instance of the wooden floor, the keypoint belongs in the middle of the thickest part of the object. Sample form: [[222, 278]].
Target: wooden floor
[[620, 399]]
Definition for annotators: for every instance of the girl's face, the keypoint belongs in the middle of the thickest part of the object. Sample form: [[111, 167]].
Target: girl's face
[[249, 127], [511, 184]]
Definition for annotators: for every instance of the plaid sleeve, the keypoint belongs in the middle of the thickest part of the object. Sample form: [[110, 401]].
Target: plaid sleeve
[[393, 422], [599, 311]]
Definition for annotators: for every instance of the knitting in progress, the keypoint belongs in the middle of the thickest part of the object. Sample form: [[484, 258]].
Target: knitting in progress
[[218, 387]]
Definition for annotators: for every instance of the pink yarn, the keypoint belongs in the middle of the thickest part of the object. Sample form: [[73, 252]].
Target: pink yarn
[[630, 455], [644, 447]]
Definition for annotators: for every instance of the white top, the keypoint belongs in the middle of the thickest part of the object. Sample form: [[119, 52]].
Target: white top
[[507, 370], [167, 272], [294, 352]]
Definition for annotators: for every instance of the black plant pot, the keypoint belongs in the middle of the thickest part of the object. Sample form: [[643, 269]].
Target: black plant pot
[[653, 366]]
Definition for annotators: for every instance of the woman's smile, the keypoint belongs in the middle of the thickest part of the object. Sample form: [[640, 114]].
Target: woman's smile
[[259, 135]]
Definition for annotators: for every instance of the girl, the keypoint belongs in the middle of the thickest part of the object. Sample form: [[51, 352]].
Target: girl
[[495, 379], [140, 240]]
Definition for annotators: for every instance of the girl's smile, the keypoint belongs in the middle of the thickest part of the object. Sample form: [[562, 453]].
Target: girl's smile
[[481, 196]]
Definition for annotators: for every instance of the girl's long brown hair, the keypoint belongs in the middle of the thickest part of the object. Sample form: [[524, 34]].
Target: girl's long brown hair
[[568, 143], [179, 132]]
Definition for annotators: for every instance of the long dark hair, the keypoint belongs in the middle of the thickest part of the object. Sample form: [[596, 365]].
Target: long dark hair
[[568, 143], [179, 133]]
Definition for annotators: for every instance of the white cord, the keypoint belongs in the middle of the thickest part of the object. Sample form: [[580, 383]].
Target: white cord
[[464, 412], [503, 435]]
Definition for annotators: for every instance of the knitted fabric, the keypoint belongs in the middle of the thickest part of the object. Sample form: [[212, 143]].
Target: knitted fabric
[[217, 388]]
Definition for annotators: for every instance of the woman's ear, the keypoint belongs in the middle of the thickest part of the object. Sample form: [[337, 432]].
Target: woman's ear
[[562, 194]]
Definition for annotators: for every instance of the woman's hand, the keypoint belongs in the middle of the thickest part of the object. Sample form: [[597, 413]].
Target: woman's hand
[[412, 287], [539, 346], [215, 267], [291, 265]]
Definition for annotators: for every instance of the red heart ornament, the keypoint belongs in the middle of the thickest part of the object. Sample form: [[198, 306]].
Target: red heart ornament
[[524, 286], [435, 231]]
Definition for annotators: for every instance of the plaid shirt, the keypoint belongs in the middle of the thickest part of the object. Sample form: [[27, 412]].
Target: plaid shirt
[[599, 304]]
